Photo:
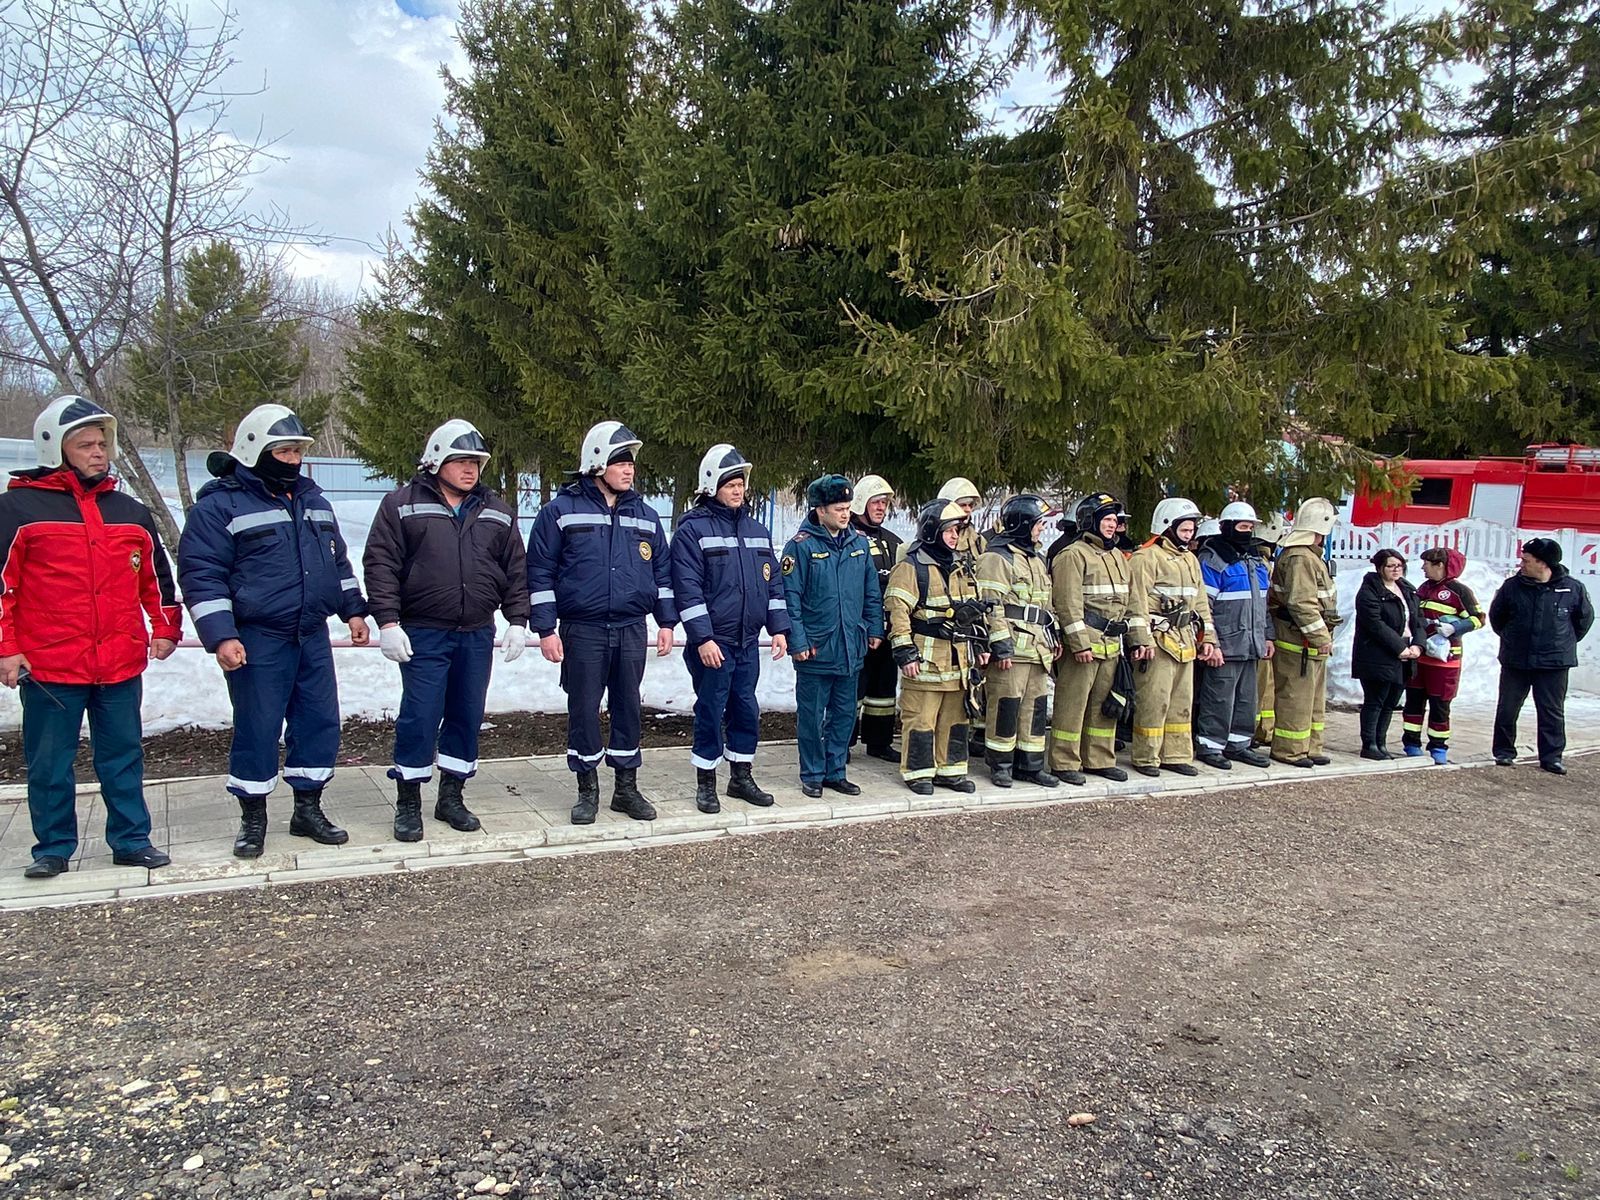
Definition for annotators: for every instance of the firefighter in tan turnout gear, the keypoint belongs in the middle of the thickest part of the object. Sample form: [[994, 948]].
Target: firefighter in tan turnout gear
[[936, 634], [1022, 645], [1090, 584], [1169, 591], [1305, 610], [964, 492], [1269, 534]]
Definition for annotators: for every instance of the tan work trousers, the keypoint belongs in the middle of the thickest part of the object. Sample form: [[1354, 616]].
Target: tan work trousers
[[1082, 738], [1300, 702], [933, 733], [1161, 712]]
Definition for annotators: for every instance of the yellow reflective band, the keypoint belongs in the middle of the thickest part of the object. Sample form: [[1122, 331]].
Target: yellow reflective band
[[1175, 728], [1442, 734], [1317, 727], [1411, 726], [1265, 714], [1093, 732], [1151, 731], [1065, 735], [1293, 735], [901, 594]]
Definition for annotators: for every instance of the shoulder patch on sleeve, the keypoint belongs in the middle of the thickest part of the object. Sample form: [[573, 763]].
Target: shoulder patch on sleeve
[[788, 564]]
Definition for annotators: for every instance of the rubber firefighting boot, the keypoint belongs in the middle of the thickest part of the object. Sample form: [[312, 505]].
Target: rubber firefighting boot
[[588, 798], [742, 786], [999, 769], [407, 810], [252, 839], [309, 821], [450, 808], [626, 797], [705, 790]]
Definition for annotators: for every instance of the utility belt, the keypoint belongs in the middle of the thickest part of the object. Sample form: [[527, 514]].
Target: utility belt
[[1110, 628], [1041, 619], [946, 629]]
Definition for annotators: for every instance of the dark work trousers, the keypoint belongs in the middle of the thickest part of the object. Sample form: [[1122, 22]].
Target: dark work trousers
[[52, 714], [601, 659], [442, 693], [1419, 704], [875, 696], [825, 709], [283, 681], [1549, 704], [1224, 705], [1379, 699], [727, 719]]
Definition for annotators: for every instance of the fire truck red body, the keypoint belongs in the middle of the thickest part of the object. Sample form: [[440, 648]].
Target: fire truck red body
[[1549, 487]]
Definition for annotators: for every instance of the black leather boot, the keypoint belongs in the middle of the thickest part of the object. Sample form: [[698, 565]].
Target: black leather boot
[[626, 797], [742, 786], [309, 821], [1000, 770], [407, 810], [705, 790], [252, 839], [450, 808], [588, 798]]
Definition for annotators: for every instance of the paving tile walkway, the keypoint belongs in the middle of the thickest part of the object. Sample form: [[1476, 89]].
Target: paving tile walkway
[[523, 804]]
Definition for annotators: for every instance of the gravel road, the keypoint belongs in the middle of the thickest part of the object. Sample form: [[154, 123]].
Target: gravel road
[[1355, 989]]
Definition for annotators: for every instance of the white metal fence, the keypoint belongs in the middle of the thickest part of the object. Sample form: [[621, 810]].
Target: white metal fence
[[1497, 546]]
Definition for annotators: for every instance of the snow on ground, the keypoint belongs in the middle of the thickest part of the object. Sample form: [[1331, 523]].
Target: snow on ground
[[188, 688]]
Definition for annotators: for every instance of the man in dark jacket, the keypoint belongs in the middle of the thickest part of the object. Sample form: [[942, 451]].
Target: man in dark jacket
[[835, 616], [84, 572], [444, 553], [869, 507], [726, 580], [1541, 614], [263, 566], [597, 565]]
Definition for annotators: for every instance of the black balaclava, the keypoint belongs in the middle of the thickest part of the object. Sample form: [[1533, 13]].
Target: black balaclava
[[1235, 537], [278, 475]]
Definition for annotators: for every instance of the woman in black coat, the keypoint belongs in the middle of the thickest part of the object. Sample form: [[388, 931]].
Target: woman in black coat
[[1388, 638]]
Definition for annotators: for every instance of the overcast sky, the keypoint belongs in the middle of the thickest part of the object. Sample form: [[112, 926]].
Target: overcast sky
[[352, 90]]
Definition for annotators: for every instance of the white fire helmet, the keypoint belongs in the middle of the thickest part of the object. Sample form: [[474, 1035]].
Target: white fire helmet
[[1316, 515], [870, 487], [603, 443], [453, 439], [1170, 511], [1272, 530], [720, 464], [1238, 511], [60, 417], [264, 427], [959, 489]]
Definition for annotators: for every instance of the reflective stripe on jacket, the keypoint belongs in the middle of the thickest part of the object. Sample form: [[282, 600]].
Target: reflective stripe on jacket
[[725, 576]]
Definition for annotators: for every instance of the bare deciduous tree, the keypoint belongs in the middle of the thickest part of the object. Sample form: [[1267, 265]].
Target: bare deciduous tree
[[115, 157]]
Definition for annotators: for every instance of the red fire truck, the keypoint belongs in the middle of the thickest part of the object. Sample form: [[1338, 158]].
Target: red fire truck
[[1549, 487]]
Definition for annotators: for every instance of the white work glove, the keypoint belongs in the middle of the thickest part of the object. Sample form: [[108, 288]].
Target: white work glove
[[516, 641], [394, 643]]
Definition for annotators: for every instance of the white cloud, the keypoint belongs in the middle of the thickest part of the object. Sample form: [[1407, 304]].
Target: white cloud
[[351, 92]]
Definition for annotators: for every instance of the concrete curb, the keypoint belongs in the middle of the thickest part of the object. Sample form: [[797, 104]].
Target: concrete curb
[[521, 845]]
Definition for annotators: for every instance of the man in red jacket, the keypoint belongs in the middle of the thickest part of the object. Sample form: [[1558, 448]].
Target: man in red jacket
[[83, 571]]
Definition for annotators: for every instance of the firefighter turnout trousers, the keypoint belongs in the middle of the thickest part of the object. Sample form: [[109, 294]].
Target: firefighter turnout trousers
[[1082, 737], [1018, 715], [442, 693], [1300, 684], [1161, 712], [875, 699], [933, 732], [1265, 715]]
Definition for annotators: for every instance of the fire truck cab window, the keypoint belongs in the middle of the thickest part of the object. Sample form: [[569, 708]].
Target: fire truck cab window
[[1433, 493]]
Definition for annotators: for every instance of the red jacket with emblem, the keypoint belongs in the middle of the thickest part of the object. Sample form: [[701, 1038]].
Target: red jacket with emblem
[[84, 573]]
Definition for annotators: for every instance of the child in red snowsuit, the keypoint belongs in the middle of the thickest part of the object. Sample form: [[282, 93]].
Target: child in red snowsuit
[[1449, 608]]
